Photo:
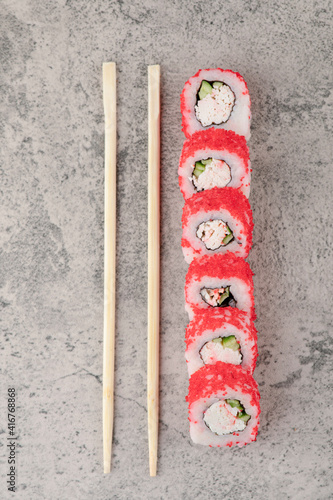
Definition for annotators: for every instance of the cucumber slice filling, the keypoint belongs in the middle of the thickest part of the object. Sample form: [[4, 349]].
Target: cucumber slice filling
[[223, 296], [229, 236], [205, 89], [244, 416], [234, 403], [199, 168], [206, 162], [230, 343]]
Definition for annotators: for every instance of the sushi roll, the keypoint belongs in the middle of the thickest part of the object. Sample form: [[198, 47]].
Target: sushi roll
[[224, 406], [216, 98], [219, 281], [214, 158], [215, 222], [226, 335]]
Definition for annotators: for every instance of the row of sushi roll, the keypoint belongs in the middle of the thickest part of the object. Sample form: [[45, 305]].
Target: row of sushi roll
[[221, 338]]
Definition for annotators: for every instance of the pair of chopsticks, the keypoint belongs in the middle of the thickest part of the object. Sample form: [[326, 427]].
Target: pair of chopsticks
[[109, 98]]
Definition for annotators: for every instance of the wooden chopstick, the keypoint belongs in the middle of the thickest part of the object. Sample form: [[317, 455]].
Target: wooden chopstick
[[109, 98], [153, 262]]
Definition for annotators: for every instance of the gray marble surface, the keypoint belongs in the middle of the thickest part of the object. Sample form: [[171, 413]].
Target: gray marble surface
[[51, 232]]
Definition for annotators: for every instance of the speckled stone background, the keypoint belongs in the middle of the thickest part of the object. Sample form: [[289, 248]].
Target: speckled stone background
[[51, 230]]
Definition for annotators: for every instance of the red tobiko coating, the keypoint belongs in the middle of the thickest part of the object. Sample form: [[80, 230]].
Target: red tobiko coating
[[211, 379], [212, 319], [220, 266], [218, 199], [215, 139]]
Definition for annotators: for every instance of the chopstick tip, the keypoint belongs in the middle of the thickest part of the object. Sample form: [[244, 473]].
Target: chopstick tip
[[109, 64], [152, 469], [107, 467]]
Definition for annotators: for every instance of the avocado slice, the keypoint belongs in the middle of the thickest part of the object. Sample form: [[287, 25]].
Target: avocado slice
[[199, 168], [218, 340], [234, 403], [205, 89], [217, 84], [231, 343]]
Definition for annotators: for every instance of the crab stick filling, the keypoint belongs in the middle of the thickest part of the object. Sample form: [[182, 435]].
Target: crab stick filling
[[225, 349], [215, 103], [210, 173], [225, 417], [214, 234]]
